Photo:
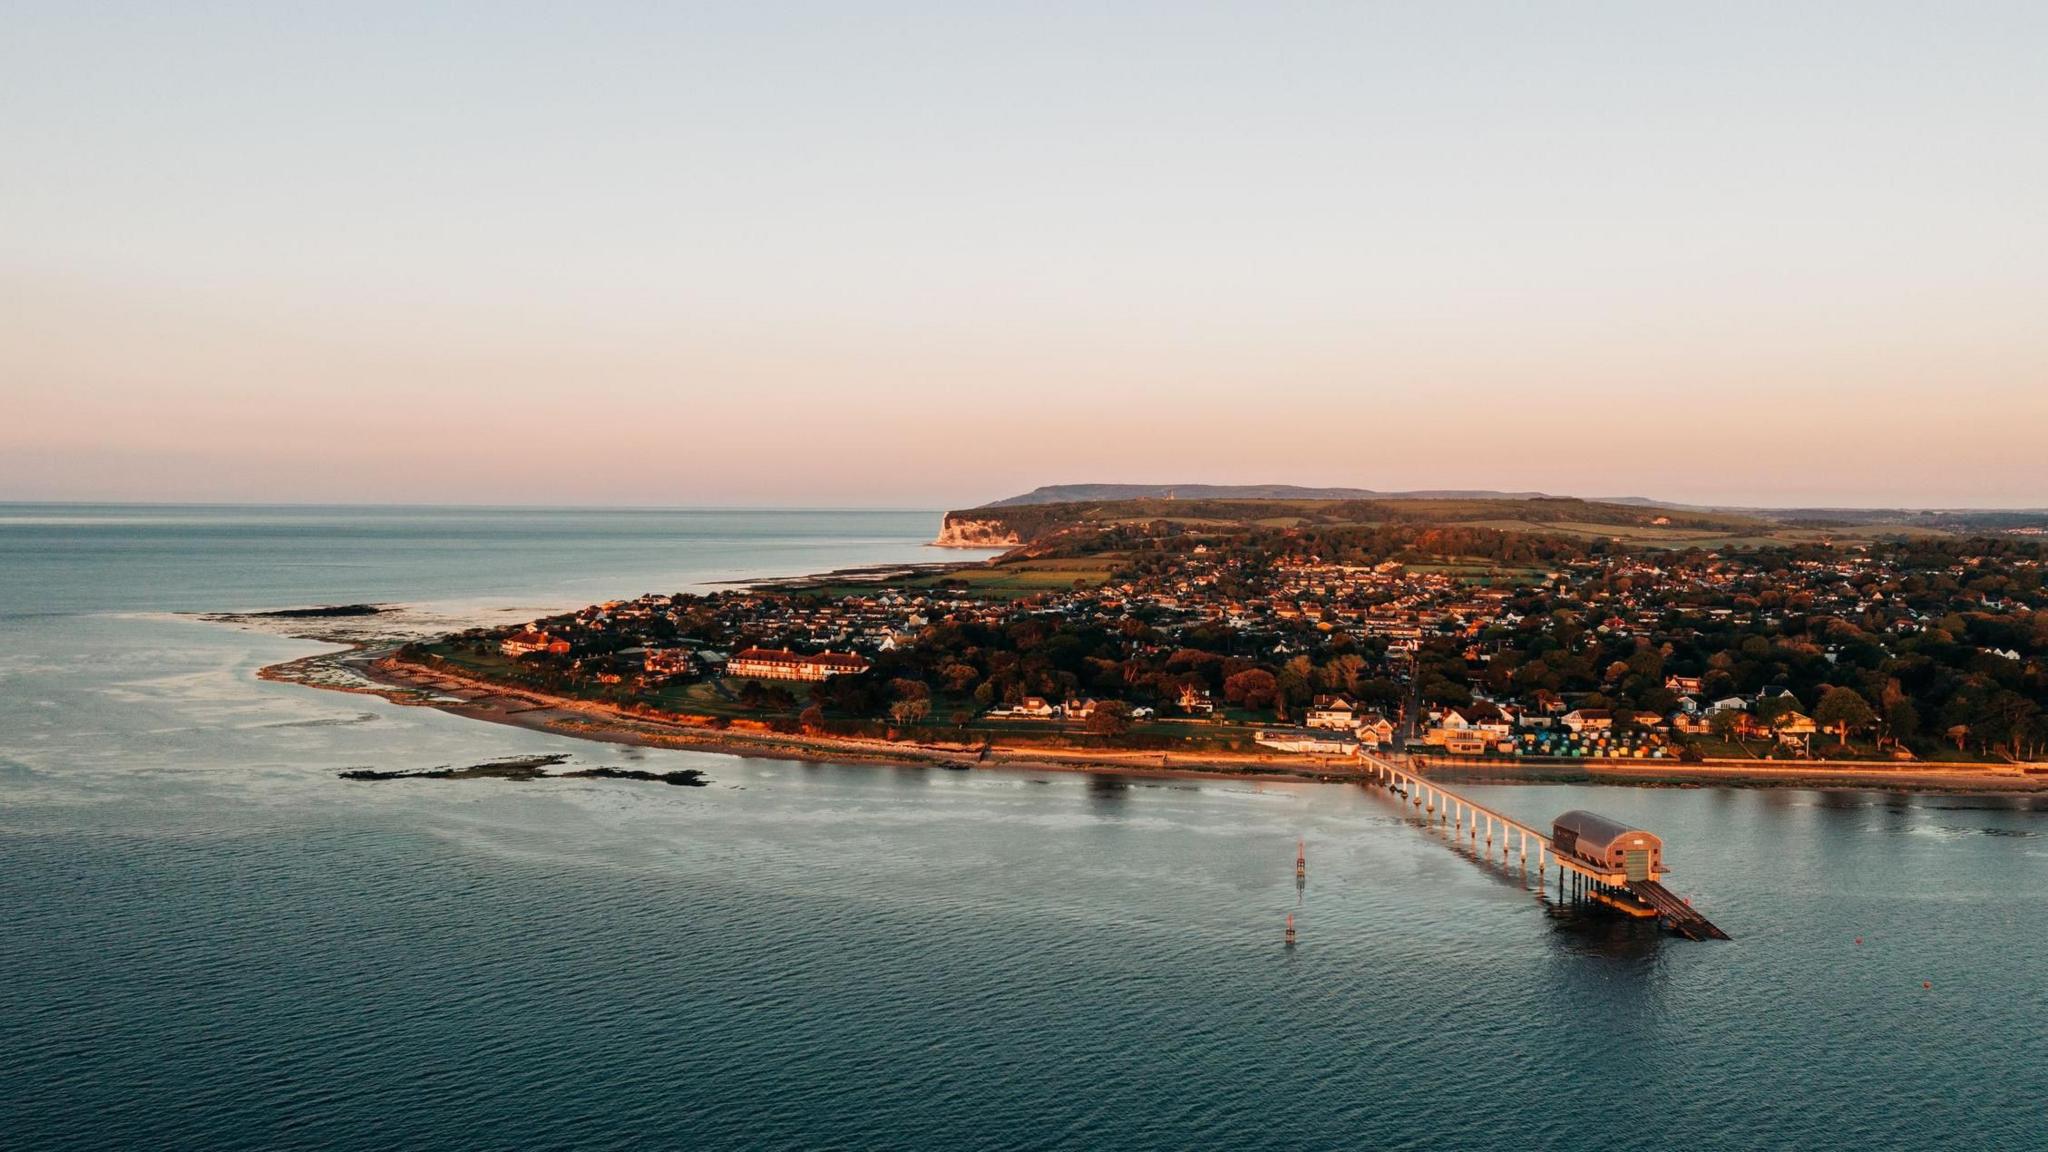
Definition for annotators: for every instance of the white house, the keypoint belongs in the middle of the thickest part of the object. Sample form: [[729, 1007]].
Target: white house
[[1333, 712]]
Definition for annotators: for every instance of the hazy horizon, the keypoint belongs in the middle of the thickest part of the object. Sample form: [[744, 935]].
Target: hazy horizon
[[914, 255], [924, 507]]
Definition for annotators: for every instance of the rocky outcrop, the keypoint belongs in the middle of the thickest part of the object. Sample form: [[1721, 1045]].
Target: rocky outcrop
[[960, 531]]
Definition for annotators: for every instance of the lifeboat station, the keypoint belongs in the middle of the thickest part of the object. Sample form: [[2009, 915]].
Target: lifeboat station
[[1596, 858]]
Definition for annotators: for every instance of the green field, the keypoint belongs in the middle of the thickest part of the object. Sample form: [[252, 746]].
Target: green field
[[1009, 580], [1477, 570]]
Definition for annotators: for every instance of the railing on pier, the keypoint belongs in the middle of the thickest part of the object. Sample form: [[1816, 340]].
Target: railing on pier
[[1480, 825]]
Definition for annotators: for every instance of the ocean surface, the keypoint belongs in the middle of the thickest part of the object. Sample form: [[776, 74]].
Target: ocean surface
[[208, 941]]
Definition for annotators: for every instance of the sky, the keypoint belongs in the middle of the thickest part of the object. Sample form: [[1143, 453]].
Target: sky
[[930, 254]]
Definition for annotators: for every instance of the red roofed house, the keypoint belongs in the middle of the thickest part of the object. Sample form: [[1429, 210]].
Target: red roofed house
[[529, 641]]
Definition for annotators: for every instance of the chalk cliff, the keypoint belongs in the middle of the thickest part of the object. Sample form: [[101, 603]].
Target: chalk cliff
[[964, 531]]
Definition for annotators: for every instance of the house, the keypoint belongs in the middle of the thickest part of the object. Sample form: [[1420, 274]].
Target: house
[[1728, 704], [1375, 730], [1034, 708], [1796, 724], [1465, 743], [782, 664], [1333, 712], [528, 642], [661, 662], [1588, 720], [1195, 701], [1080, 709], [1683, 685], [1301, 740]]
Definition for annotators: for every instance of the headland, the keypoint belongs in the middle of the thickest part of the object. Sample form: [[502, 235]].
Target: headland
[[1499, 639]]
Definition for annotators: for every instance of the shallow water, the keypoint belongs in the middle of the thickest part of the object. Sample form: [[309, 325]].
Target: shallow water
[[212, 942]]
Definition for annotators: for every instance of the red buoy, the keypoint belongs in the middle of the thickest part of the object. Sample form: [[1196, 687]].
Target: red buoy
[[1927, 983], [1859, 939]]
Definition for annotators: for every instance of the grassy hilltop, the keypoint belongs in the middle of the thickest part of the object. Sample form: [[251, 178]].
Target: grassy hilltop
[[1639, 524]]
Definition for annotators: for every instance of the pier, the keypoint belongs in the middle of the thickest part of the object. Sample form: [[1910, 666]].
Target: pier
[[1632, 875]]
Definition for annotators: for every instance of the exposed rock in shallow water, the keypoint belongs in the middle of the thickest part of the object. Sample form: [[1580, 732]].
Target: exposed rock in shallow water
[[686, 777], [515, 768], [530, 768]]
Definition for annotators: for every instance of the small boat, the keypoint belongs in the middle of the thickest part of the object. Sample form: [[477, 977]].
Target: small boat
[[1301, 859], [1290, 929]]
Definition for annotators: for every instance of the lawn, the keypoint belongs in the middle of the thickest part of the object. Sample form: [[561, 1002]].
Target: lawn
[[1008, 581], [1478, 570]]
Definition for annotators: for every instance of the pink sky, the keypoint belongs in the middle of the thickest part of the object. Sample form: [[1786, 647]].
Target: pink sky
[[770, 257]]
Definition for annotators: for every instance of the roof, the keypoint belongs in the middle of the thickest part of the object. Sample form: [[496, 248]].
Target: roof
[[1597, 832], [785, 656]]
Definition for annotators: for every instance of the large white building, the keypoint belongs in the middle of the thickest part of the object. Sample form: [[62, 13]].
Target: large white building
[[782, 664]]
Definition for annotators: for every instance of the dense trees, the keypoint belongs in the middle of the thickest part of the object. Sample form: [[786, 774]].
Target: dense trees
[[1110, 718], [1253, 688], [1842, 710], [1910, 643]]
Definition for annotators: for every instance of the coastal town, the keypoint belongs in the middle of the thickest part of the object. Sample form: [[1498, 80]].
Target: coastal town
[[1463, 643]]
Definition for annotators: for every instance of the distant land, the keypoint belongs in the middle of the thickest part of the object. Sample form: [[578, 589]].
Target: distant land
[[1074, 493], [1045, 512]]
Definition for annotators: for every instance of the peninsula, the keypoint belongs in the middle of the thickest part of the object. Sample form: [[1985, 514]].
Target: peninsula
[[1510, 637]]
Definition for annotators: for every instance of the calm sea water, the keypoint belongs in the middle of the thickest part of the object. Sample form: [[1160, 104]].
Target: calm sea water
[[208, 941]]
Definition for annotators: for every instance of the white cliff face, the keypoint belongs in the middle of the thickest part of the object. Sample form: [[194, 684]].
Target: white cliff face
[[968, 533]]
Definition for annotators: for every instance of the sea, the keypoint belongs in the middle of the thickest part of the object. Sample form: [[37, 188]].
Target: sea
[[210, 941]]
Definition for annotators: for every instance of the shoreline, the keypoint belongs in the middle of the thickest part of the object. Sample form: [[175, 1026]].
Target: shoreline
[[382, 674]]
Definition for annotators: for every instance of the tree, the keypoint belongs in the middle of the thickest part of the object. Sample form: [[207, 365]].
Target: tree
[[2006, 720], [1724, 724], [1110, 718], [1902, 720], [1770, 709], [1254, 688], [959, 677], [910, 711], [1843, 709], [811, 719]]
